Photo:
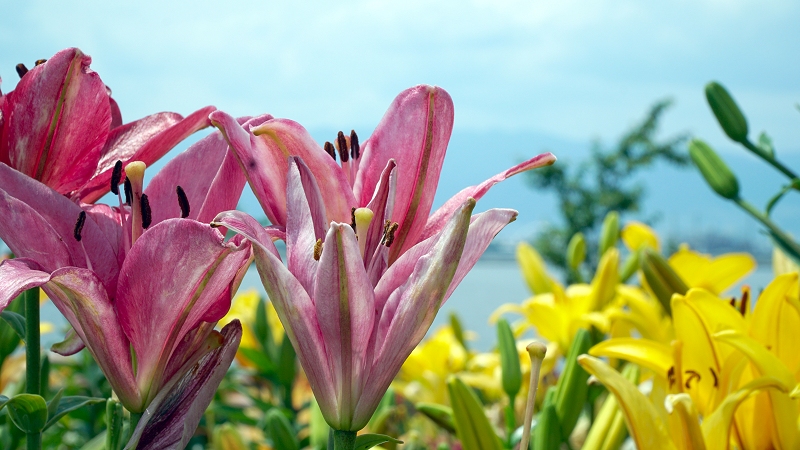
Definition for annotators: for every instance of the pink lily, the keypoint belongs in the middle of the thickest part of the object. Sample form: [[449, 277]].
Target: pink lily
[[39, 223], [398, 166], [61, 127], [352, 320], [175, 283]]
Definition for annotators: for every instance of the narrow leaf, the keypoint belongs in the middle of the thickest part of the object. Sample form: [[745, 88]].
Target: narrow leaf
[[367, 441], [69, 404], [15, 321]]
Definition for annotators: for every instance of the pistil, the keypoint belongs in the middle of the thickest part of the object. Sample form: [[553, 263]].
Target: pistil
[[362, 217], [135, 176]]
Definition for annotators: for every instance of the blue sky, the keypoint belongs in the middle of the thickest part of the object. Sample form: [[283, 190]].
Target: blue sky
[[553, 73]]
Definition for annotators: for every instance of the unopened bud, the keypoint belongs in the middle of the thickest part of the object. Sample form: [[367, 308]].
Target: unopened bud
[[509, 359], [661, 278], [609, 234], [576, 251], [728, 114], [714, 170]]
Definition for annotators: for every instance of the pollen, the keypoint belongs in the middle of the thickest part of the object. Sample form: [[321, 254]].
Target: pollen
[[317, 249], [116, 176], [79, 226], [147, 214], [183, 202], [342, 147]]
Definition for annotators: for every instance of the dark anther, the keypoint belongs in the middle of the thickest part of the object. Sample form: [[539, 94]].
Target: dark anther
[[147, 215], [79, 226], [733, 302], [40, 62], [390, 234], [116, 175], [692, 376], [353, 219], [330, 150], [317, 249], [743, 306], [183, 201], [386, 226], [355, 150], [714, 374], [21, 70], [128, 191], [341, 145], [671, 376]]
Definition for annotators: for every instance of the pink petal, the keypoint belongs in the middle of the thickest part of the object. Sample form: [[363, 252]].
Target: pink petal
[[209, 175], [414, 132], [438, 219], [263, 154], [305, 222], [71, 344], [146, 140], [410, 310], [344, 297], [174, 274], [172, 418], [116, 114], [29, 207], [82, 299], [17, 276], [293, 305], [56, 121]]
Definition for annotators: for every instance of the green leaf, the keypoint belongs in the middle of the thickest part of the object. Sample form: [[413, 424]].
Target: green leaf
[[546, 435], [765, 144], [15, 321], [287, 367], [458, 330], [441, 415], [366, 441], [260, 359], [28, 412], [572, 389], [69, 404], [52, 405]]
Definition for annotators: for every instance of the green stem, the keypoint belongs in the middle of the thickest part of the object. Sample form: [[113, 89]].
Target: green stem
[[770, 159], [511, 423], [344, 440], [33, 377], [767, 222]]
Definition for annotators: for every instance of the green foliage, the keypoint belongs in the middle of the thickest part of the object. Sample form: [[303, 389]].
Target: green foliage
[[601, 184]]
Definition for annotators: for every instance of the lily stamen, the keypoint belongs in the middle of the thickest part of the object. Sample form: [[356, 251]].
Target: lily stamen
[[330, 150], [39, 62], [183, 202], [390, 234], [147, 215], [79, 237], [317, 249], [21, 70], [344, 155], [128, 192]]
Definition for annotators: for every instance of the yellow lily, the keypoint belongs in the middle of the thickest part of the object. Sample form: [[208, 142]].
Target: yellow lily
[[712, 274], [682, 430]]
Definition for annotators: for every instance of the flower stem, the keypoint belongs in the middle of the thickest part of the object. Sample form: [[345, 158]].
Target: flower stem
[[770, 159], [344, 440], [33, 368], [767, 222]]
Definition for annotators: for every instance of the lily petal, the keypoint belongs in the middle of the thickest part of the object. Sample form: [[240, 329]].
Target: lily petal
[[646, 353], [716, 426], [145, 140], [438, 219], [305, 222], [196, 270], [56, 121], [414, 132], [776, 319], [18, 275], [410, 310], [170, 421], [683, 421], [644, 423], [344, 296]]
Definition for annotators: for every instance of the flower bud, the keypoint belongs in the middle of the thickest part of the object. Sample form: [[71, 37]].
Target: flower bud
[[509, 360], [609, 234], [441, 415], [576, 251], [472, 427], [714, 170], [663, 281], [547, 435], [280, 431], [572, 389], [534, 269], [728, 114]]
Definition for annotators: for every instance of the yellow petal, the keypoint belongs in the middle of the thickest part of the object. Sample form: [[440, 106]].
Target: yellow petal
[[636, 235], [641, 416], [650, 354], [684, 422], [715, 275], [533, 269], [716, 426], [782, 409], [696, 317], [606, 279], [776, 320]]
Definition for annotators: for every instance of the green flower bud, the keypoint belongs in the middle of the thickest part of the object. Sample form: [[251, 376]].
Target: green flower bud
[[714, 170], [441, 415], [509, 359], [547, 434], [572, 389], [280, 431], [114, 417], [663, 281], [728, 114], [472, 427], [609, 234], [576, 251]]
